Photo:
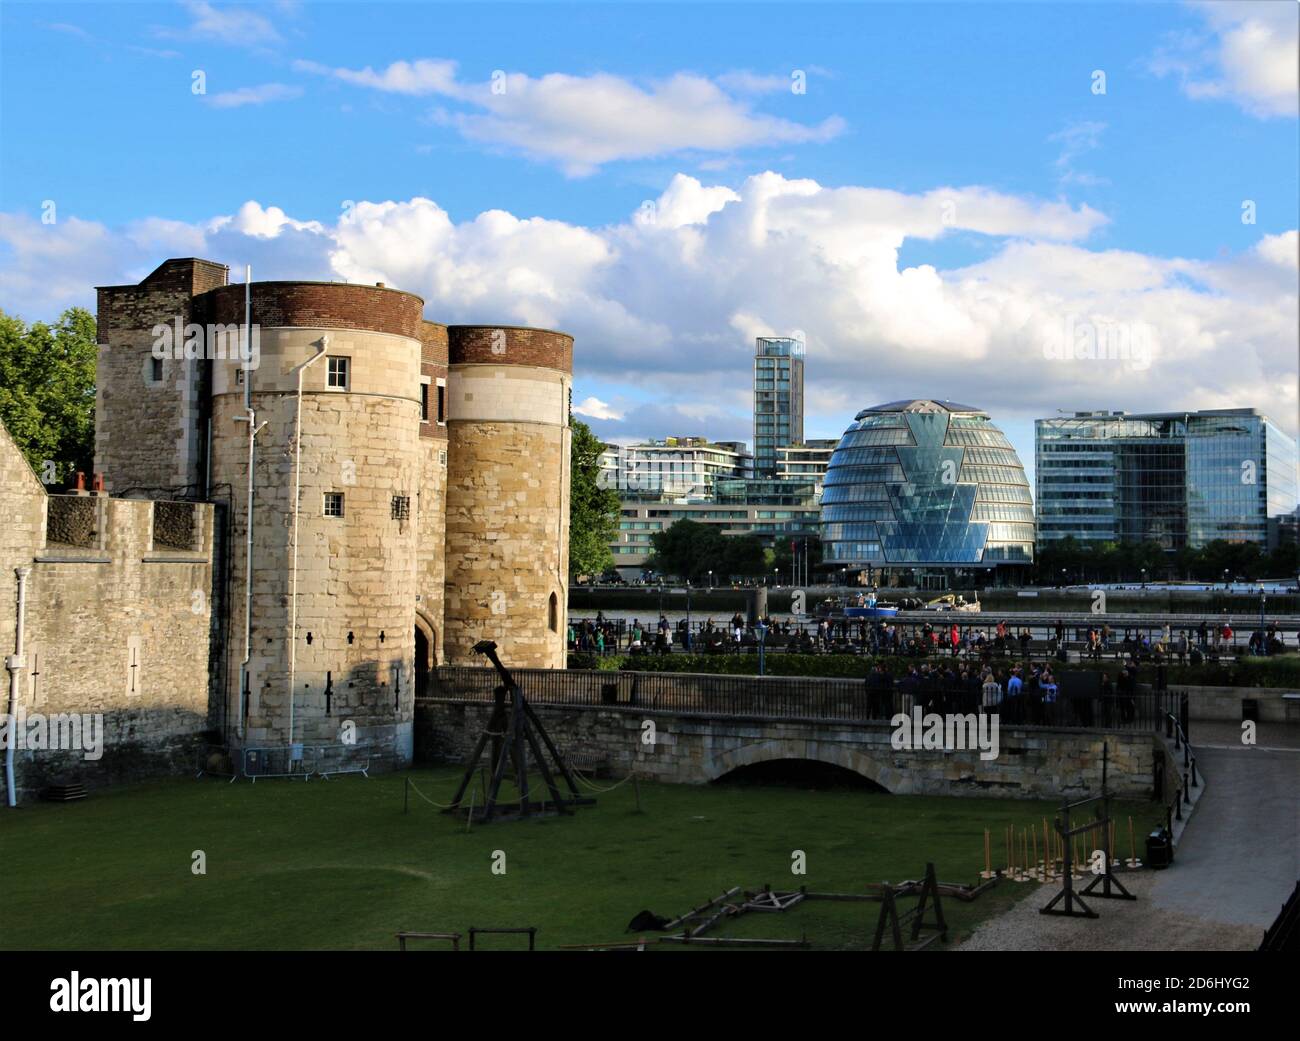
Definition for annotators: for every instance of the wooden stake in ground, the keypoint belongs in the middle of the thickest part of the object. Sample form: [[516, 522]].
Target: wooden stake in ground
[[1048, 866], [1133, 861], [1037, 872], [988, 862]]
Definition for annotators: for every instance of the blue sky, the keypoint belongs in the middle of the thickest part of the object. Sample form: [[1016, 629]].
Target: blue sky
[[774, 210]]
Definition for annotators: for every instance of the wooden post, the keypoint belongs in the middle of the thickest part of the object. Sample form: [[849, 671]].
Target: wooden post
[[1040, 875]]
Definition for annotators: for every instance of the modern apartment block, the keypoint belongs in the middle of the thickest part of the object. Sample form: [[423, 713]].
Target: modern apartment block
[[674, 468], [1176, 478], [806, 461], [778, 399]]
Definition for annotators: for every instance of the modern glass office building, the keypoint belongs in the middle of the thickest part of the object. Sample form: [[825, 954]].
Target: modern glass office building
[[778, 399], [925, 485], [1176, 478]]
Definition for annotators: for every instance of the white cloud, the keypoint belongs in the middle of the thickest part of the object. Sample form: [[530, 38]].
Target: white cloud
[[596, 409], [262, 222], [1247, 55], [1076, 140], [237, 25], [259, 95], [668, 309], [583, 122], [401, 77]]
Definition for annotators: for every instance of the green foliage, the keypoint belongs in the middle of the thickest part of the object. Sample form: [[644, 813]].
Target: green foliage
[[593, 511], [588, 661], [1123, 562], [690, 550], [47, 389]]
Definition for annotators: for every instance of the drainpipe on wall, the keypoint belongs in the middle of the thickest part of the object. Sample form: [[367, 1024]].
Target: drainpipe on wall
[[322, 345], [253, 431], [15, 664]]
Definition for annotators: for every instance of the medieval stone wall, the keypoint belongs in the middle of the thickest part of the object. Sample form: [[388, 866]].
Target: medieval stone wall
[[1032, 763], [113, 629]]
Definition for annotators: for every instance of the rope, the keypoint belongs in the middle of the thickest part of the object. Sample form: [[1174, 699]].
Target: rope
[[595, 787], [425, 797], [449, 806]]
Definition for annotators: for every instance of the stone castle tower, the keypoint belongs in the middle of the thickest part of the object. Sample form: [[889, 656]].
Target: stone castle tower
[[431, 472]]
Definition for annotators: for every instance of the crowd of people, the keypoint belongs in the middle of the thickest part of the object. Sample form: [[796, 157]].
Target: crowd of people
[[1020, 692], [604, 636]]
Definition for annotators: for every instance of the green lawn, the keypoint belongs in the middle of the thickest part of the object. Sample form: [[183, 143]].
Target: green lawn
[[338, 865]]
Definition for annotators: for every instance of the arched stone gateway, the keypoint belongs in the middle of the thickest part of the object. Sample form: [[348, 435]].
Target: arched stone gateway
[[840, 755], [426, 654]]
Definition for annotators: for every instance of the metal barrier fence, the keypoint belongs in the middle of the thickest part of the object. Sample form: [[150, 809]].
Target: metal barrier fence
[[798, 699], [276, 761], [331, 760], [305, 761]]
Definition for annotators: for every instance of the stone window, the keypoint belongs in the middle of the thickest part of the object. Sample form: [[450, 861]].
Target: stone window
[[424, 399], [155, 370], [442, 402], [401, 507], [339, 370], [553, 614], [333, 504]]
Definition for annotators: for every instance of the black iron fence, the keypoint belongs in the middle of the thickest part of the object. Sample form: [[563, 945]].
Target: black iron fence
[[784, 698]]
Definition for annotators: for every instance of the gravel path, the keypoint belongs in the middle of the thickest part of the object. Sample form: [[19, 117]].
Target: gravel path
[[1234, 867], [1140, 925]]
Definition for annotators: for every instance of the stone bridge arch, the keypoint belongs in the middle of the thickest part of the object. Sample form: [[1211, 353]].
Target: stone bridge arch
[[835, 754]]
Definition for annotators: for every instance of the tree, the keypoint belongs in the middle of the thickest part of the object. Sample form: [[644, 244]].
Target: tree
[[687, 549], [47, 389], [593, 510]]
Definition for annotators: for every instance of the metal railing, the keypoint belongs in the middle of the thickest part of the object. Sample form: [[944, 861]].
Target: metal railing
[[932, 633], [331, 760], [797, 698], [1176, 723], [293, 761], [276, 761]]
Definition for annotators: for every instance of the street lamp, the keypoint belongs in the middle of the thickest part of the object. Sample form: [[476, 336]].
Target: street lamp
[[710, 579], [1225, 578], [1144, 578], [687, 641], [761, 630]]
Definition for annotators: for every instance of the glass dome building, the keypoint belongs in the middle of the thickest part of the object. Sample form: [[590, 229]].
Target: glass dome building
[[925, 484]]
